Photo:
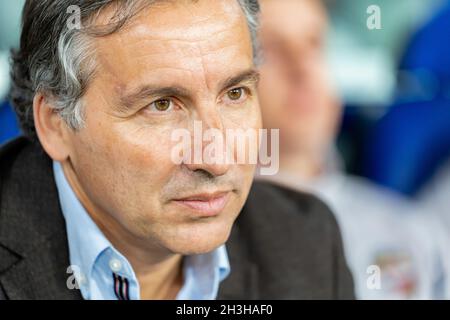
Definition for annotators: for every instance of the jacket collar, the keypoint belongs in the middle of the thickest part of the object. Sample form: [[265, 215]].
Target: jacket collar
[[33, 243]]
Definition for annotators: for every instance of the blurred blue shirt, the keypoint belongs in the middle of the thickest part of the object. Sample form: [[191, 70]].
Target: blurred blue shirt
[[8, 123], [103, 273]]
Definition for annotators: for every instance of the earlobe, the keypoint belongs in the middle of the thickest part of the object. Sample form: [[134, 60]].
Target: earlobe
[[50, 128]]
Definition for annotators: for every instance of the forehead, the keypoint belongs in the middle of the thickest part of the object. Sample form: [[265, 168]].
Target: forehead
[[203, 40]]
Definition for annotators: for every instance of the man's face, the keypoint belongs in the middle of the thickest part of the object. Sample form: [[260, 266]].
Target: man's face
[[169, 67], [295, 92]]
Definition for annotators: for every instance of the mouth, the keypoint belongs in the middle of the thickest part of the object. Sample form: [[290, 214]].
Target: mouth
[[205, 204]]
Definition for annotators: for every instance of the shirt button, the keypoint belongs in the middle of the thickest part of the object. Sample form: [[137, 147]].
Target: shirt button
[[115, 265]]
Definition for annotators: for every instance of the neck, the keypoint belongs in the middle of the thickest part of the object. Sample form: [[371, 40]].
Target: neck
[[159, 271], [305, 164]]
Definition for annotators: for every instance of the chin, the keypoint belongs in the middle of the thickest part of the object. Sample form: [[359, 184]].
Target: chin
[[200, 238]]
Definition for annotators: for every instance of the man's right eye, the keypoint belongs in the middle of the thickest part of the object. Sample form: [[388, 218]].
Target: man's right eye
[[161, 105]]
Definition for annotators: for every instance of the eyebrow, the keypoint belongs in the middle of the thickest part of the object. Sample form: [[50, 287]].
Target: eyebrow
[[251, 76], [144, 92], [129, 100]]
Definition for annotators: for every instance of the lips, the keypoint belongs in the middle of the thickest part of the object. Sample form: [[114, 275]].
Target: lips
[[205, 204]]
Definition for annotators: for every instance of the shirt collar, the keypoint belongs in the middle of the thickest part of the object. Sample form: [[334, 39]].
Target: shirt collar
[[86, 241], [202, 273], [201, 280]]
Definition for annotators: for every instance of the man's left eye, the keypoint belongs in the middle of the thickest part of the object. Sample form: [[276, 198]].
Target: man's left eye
[[237, 94]]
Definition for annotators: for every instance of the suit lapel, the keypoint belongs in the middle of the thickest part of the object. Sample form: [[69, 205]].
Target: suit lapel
[[33, 243], [41, 274], [242, 283]]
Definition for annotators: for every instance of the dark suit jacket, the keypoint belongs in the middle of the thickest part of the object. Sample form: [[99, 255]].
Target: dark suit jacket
[[284, 245]]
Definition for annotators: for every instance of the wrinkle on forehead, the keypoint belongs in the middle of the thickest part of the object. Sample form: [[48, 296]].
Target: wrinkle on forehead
[[179, 22], [179, 37], [195, 21]]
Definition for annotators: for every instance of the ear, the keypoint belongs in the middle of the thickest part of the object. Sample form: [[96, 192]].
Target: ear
[[51, 129]]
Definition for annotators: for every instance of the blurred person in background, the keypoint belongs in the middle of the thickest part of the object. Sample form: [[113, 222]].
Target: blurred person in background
[[385, 237]]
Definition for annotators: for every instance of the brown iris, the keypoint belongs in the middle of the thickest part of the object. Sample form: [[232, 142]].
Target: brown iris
[[162, 105], [235, 94]]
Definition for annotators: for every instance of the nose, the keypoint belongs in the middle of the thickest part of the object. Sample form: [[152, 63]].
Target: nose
[[209, 140], [299, 65], [297, 72], [215, 170]]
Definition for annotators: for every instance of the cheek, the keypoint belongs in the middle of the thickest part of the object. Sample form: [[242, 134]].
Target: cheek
[[133, 163], [328, 106], [272, 95], [272, 89], [144, 154]]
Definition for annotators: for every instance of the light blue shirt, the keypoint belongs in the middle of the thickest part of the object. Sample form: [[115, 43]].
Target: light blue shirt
[[103, 273]]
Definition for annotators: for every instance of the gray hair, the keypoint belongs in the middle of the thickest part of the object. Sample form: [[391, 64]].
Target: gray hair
[[57, 60]]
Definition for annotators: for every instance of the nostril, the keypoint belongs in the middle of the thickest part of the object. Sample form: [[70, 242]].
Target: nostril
[[206, 174]]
